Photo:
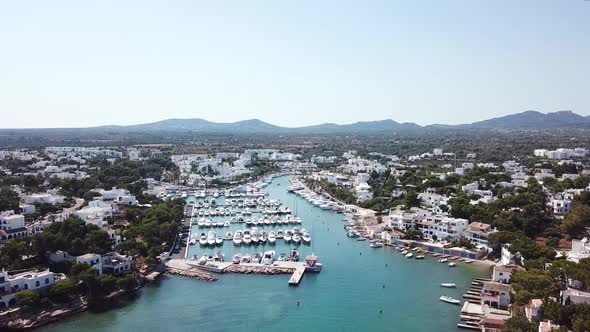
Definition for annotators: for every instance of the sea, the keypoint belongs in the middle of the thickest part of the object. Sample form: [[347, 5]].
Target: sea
[[359, 288]]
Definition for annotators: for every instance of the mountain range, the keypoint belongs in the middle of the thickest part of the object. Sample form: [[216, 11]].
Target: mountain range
[[529, 120]]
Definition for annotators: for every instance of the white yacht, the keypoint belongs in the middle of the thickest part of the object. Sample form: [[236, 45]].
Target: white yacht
[[280, 234], [288, 236], [271, 237], [255, 236], [201, 222], [211, 238], [268, 258], [409, 255], [226, 224], [203, 239], [452, 264], [306, 237], [263, 237], [238, 238], [208, 223], [219, 240], [296, 238], [229, 236], [247, 239]]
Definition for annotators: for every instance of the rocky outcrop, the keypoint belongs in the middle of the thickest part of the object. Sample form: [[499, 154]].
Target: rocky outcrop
[[192, 273], [245, 269]]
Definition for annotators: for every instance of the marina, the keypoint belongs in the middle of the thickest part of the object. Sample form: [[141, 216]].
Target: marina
[[356, 279]]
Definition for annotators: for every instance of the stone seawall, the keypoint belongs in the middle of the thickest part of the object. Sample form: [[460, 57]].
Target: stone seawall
[[192, 273], [245, 269]]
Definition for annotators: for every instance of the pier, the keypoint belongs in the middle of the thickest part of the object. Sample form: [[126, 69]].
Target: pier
[[193, 269]]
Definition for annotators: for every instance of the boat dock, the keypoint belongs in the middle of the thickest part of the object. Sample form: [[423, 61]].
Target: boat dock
[[296, 269]]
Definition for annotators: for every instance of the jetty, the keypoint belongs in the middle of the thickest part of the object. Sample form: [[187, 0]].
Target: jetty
[[193, 269]]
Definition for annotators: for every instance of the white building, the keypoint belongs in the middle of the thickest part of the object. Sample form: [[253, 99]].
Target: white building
[[478, 232], [561, 206], [437, 152], [47, 198], [575, 296], [12, 226], [580, 250], [33, 280]]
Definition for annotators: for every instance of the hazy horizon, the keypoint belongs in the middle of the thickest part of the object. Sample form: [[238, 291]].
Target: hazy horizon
[[69, 64]]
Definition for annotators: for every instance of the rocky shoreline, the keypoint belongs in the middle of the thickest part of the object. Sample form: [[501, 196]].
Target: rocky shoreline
[[268, 270], [193, 273], [16, 320]]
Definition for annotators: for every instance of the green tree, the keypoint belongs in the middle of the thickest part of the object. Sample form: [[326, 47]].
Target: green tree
[[62, 290], [9, 199], [126, 282], [27, 298]]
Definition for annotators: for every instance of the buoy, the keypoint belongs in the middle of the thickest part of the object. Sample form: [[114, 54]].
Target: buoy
[[297, 302]]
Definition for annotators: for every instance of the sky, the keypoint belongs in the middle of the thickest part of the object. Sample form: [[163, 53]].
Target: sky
[[290, 63]]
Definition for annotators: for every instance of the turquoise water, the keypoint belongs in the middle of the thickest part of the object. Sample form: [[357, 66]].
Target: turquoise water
[[346, 296]]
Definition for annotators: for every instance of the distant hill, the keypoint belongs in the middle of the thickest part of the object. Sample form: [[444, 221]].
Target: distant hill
[[529, 120], [534, 120], [258, 126]]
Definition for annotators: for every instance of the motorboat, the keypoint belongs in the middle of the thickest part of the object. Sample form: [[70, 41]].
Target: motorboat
[[271, 237], [238, 238], [296, 238], [288, 236], [448, 285], [203, 239], [293, 255], [211, 238], [376, 244], [236, 259], [208, 223], [246, 259], [247, 239], [452, 264], [255, 236], [263, 237], [449, 299], [219, 240], [306, 237], [282, 258], [268, 258], [420, 257], [443, 260], [201, 222], [409, 255], [226, 224], [257, 257], [280, 234], [192, 242], [229, 236]]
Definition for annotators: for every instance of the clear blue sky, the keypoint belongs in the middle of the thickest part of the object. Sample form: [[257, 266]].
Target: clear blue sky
[[291, 63]]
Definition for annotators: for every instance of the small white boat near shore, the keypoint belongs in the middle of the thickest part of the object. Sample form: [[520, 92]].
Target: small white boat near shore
[[452, 264], [448, 285], [409, 255], [449, 299]]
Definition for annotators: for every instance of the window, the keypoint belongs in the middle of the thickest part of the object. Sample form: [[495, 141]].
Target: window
[[26, 286], [37, 283], [46, 281]]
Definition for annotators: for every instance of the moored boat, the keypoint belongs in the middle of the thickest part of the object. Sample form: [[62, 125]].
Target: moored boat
[[448, 285], [449, 299]]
